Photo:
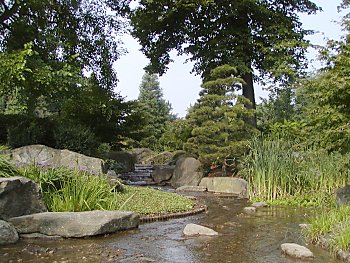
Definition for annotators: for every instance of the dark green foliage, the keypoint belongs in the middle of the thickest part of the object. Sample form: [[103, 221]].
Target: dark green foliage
[[219, 119], [263, 35], [75, 137], [22, 130], [176, 134], [277, 109], [156, 111]]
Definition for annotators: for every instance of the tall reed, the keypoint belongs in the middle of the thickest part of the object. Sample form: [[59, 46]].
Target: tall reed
[[277, 170]]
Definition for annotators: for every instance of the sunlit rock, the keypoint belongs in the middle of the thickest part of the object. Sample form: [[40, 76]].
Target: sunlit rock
[[75, 224], [296, 251], [195, 230]]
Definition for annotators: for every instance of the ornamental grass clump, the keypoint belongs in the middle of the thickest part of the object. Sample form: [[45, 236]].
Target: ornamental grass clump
[[277, 171], [332, 224], [7, 169]]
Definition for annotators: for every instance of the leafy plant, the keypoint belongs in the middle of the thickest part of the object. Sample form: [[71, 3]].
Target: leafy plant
[[6, 168]]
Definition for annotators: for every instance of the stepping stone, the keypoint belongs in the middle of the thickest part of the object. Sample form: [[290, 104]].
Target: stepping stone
[[249, 210], [259, 205], [75, 224], [296, 251], [195, 230]]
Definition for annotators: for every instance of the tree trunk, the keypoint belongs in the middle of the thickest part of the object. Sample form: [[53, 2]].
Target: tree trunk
[[248, 92]]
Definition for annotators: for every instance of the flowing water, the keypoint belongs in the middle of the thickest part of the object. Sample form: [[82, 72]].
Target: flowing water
[[243, 239]]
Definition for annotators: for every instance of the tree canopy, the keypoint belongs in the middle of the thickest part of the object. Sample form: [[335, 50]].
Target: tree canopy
[[262, 36]]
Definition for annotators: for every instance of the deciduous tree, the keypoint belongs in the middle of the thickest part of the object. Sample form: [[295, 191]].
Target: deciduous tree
[[262, 39]]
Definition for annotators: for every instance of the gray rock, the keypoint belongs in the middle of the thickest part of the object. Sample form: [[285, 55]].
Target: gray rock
[[342, 195], [162, 173], [195, 230], [296, 251], [249, 210], [46, 156], [259, 205], [120, 162], [304, 226], [191, 188], [187, 172], [228, 185], [19, 196], [8, 233], [75, 224], [141, 154], [39, 236]]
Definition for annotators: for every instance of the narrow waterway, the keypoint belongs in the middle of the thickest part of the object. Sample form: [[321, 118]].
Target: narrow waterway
[[242, 239]]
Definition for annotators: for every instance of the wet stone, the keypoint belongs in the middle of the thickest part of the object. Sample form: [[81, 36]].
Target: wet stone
[[259, 205], [296, 251], [249, 210], [194, 229]]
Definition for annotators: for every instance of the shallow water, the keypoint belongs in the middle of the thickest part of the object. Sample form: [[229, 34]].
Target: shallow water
[[243, 239]]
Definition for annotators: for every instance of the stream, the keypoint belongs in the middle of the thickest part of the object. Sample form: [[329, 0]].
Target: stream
[[243, 239]]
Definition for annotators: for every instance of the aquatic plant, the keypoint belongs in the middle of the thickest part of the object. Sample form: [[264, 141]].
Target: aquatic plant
[[277, 171], [332, 224]]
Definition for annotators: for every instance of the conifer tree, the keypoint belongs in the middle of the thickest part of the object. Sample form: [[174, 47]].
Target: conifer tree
[[157, 111], [220, 129]]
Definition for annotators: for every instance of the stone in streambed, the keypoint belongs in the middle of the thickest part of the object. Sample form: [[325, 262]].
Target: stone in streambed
[[296, 251], [249, 210], [259, 205], [75, 224], [195, 230], [191, 188], [8, 233]]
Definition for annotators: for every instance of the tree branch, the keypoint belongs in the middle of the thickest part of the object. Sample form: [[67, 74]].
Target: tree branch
[[9, 12]]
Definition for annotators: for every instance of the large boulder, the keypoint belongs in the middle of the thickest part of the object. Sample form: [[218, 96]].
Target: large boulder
[[162, 173], [227, 185], [195, 230], [141, 155], [76, 224], [342, 195], [187, 172], [8, 233], [47, 156], [296, 251], [19, 196], [120, 162]]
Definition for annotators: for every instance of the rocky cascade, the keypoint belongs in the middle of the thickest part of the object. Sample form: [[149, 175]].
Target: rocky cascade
[[141, 176]]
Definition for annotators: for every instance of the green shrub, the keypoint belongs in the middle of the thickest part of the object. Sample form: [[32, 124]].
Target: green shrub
[[75, 137]]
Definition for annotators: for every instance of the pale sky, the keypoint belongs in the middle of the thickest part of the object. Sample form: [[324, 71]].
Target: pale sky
[[181, 88]]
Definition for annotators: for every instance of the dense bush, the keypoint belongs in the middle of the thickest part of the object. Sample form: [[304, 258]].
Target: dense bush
[[75, 137], [25, 131]]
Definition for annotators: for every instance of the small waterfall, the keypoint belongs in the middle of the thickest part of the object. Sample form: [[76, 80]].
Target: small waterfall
[[142, 176]]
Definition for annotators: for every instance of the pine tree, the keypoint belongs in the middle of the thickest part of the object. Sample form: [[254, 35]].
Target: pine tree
[[157, 111], [220, 129]]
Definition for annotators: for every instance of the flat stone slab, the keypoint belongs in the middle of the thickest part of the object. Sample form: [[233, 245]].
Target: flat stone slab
[[75, 224], [195, 230], [191, 188], [249, 210], [259, 205], [296, 251], [227, 185]]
